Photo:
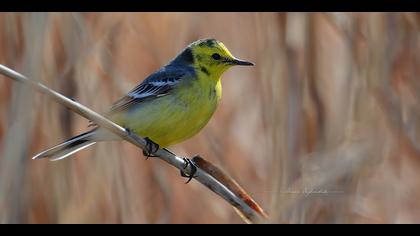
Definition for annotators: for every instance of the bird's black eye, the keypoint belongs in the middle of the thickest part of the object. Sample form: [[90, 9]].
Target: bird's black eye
[[216, 56]]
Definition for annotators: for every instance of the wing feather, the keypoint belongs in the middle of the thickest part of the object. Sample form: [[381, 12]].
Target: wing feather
[[156, 85]]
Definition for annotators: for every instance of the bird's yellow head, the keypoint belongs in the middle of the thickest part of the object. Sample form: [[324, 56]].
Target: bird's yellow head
[[209, 57]]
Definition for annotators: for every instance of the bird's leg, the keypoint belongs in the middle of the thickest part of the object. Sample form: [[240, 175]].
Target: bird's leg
[[151, 148], [193, 170]]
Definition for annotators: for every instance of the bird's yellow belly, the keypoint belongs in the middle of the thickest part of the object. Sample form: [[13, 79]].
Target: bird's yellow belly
[[173, 118]]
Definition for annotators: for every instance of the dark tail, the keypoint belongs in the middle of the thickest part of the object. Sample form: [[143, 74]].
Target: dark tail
[[68, 147]]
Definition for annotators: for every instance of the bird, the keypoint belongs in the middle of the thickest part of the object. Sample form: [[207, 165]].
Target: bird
[[169, 106]]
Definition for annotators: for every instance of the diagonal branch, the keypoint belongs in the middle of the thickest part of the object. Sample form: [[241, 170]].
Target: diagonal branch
[[207, 174]]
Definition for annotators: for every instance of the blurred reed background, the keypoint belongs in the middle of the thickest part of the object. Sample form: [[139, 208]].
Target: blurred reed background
[[324, 129]]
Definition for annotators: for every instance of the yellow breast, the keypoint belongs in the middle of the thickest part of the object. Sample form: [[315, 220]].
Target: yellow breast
[[175, 117]]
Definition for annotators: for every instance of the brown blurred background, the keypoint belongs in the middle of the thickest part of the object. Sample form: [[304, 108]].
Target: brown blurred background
[[324, 129]]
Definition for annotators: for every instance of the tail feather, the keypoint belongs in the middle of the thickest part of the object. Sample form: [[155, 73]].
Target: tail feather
[[68, 147]]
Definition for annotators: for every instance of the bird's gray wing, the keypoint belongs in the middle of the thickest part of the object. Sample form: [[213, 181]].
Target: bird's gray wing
[[158, 84]]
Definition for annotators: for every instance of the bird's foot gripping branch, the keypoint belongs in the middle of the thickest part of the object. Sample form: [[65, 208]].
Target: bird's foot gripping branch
[[199, 169]]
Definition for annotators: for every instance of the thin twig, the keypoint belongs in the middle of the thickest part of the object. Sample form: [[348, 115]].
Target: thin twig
[[201, 175]]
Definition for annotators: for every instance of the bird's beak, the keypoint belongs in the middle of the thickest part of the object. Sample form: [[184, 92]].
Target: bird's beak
[[239, 62]]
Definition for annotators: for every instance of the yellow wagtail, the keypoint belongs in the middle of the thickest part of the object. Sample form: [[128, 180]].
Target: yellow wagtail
[[170, 105]]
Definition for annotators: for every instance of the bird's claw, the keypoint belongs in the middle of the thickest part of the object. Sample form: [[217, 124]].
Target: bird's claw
[[193, 170], [151, 148]]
